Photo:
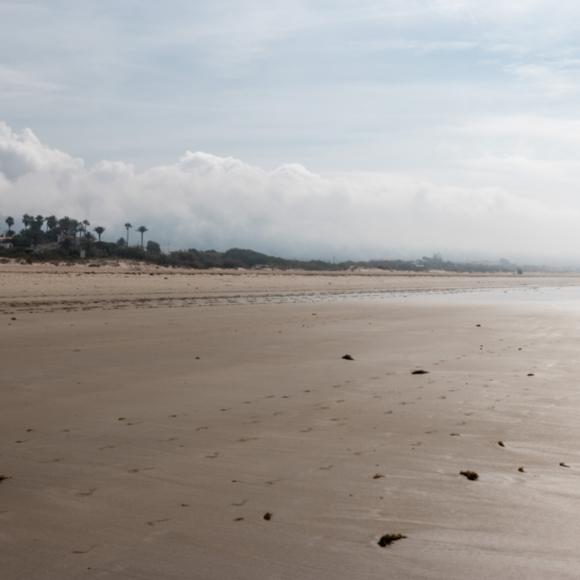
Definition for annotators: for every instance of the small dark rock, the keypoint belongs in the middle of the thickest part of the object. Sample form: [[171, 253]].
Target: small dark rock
[[388, 539], [4, 477], [478, 325], [267, 516], [531, 375], [378, 476], [501, 443], [562, 464], [420, 372], [521, 470], [347, 357], [471, 475]]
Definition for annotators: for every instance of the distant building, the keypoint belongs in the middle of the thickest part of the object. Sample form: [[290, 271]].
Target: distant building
[[6, 242]]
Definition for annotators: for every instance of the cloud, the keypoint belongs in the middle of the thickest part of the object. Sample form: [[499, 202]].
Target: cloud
[[206, 201], [16, 83], [552, 81], [23, 153]]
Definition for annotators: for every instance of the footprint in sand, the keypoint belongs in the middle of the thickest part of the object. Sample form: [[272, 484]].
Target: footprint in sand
[[83, 551], [240, 503], [152, 523], [87, 493]]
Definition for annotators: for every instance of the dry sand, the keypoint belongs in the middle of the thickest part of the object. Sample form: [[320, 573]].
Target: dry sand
[[147, 439]]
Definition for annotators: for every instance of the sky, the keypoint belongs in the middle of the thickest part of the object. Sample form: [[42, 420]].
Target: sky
[[312, 128]]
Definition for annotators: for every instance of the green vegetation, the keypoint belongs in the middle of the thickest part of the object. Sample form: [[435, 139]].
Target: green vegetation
[[50, 238]]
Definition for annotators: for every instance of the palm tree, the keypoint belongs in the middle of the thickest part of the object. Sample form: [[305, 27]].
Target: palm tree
[[128, 226], [142, 230], [65, 225], [51, 222], [9, 222], [99, 230], [27, 220]]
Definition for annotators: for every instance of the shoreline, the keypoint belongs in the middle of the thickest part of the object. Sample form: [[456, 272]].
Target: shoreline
[[28, 288]]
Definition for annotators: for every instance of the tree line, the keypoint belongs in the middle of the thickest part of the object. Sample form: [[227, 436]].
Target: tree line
[[39, 229], [52, 238]]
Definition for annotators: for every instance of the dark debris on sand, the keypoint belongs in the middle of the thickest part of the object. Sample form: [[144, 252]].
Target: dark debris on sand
[[267, 516], [420, 372], [562, 464], [471, 475], [347, 357], [501, 443], [4, 477], [388, 539]]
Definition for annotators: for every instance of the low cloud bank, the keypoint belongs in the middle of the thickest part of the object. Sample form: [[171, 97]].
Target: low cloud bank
[[205, 201]]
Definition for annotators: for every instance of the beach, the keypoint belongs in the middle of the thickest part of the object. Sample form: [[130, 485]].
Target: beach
[[163, 424]]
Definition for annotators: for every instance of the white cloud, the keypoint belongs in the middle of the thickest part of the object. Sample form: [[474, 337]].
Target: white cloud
[[206, 201], [16, 83], [552, 81], [23, 153]]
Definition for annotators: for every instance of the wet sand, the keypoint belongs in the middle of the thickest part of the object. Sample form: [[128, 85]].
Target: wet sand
[[150, 442]]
